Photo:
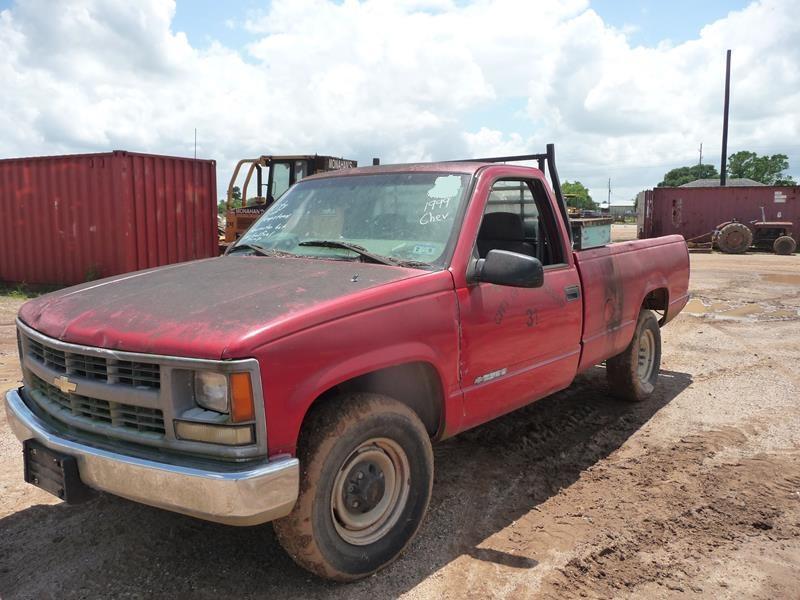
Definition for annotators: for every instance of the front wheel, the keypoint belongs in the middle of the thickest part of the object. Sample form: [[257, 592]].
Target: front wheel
[[784, 245], [367, 473], [632, 374]]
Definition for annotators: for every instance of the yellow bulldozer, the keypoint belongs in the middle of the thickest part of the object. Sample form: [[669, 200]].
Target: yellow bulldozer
[[273, 175]]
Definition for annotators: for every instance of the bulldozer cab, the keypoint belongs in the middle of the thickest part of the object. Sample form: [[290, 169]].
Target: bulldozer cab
[[265, 179]]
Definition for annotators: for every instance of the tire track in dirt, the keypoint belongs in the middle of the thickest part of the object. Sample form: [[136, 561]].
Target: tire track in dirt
[[700, 508]]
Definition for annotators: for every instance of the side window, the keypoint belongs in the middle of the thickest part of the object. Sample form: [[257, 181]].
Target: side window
[[299, 170], [280, 179], [518, 218]]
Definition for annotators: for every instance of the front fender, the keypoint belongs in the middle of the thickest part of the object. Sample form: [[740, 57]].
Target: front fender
[[298, 369]]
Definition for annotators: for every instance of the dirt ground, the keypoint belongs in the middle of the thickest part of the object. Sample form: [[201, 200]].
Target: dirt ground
[[694, 493]]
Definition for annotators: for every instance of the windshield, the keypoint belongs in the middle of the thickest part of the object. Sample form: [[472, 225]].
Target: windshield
[[404, 216]]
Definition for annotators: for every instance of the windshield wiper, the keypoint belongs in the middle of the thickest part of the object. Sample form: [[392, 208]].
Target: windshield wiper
[[261, 250], [364, 253], [360, 250]]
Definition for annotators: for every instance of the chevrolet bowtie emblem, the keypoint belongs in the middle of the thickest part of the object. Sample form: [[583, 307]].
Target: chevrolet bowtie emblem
[[65, 385]]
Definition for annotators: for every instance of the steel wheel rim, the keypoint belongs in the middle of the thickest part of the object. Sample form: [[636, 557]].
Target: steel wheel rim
[[646, 356], [735, 239], [385, 464]]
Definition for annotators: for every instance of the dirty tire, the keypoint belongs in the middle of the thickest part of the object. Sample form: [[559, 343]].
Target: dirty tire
[[632, 374], [358, 447], [735, 238], [784, 245]]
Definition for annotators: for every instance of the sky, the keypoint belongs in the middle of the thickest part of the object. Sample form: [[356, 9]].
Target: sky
[[625, 89]]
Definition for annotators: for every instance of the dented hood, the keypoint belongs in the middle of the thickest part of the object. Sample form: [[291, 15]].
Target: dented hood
[[216, 308]]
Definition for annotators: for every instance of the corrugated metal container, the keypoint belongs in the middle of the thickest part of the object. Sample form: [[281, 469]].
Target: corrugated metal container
[[68, 219], [693, 212]]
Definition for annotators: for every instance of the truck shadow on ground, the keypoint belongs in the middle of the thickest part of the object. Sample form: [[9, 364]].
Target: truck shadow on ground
[[486, 479]]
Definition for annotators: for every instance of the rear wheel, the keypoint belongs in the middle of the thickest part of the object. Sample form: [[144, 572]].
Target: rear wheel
[[367, 473], [784, 245], [734, 238], [632, 374]]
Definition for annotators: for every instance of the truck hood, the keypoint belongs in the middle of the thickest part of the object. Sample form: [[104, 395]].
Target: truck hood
[[217, 308]]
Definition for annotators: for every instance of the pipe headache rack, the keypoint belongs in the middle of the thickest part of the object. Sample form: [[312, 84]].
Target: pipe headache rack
[[547, 158]]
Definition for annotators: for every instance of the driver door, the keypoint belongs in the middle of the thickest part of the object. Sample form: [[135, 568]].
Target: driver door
[[519, 344]]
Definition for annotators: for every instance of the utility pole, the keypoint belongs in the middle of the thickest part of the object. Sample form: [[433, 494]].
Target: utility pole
[[723, 169], [609, 195], [700, 162]]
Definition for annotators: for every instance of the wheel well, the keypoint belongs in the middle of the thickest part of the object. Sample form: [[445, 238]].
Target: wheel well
[[658, 300], [417, 385]]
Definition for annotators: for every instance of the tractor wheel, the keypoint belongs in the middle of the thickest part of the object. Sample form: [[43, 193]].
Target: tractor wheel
[[784, 245], [734, 238]]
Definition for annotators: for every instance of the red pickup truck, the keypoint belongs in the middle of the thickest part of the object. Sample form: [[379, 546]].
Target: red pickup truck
[[302, 377]]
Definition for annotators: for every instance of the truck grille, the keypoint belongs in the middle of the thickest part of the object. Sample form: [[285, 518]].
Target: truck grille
[[136, 374], [96, 411], [104, 397]]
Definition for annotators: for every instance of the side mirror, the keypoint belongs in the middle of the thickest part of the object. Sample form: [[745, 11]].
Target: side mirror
[[509, 268]]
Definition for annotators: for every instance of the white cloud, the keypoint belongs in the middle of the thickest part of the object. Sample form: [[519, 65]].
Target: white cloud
[[401, 80], [492, 142]]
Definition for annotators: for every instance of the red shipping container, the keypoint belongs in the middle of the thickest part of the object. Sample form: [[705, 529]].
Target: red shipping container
[[694, 211], [68, 219]]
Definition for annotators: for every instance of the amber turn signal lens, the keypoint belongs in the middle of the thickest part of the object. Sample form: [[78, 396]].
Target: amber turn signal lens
[[242, 408], [228, 435]]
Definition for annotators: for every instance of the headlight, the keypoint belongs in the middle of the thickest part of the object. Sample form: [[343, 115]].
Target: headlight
[[211, 391]]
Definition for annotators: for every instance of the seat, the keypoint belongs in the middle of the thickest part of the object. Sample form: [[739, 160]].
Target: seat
[[502, 231]]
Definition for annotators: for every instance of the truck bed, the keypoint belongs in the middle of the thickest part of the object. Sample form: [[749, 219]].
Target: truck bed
[[617, 280]]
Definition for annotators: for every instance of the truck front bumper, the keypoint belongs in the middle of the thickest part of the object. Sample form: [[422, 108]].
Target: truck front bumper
[[251, 496]]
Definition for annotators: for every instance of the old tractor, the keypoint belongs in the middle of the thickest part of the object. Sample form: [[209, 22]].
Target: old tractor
[[273, 176], [733, 237]]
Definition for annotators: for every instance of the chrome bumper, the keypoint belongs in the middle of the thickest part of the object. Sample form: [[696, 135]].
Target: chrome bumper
[[250, 497]]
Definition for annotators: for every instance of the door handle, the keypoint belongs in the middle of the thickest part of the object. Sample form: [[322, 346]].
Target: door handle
[[573, 292]]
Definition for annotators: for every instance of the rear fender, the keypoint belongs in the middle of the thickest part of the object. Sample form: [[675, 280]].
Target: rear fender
[[721, 225]]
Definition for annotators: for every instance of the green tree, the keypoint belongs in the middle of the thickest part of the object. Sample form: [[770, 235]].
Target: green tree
[[682, 175], [236, 201], [577, 195], [765, 169]]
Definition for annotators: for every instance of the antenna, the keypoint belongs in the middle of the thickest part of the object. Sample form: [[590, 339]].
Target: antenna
[[195, 143], [700, 162]]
